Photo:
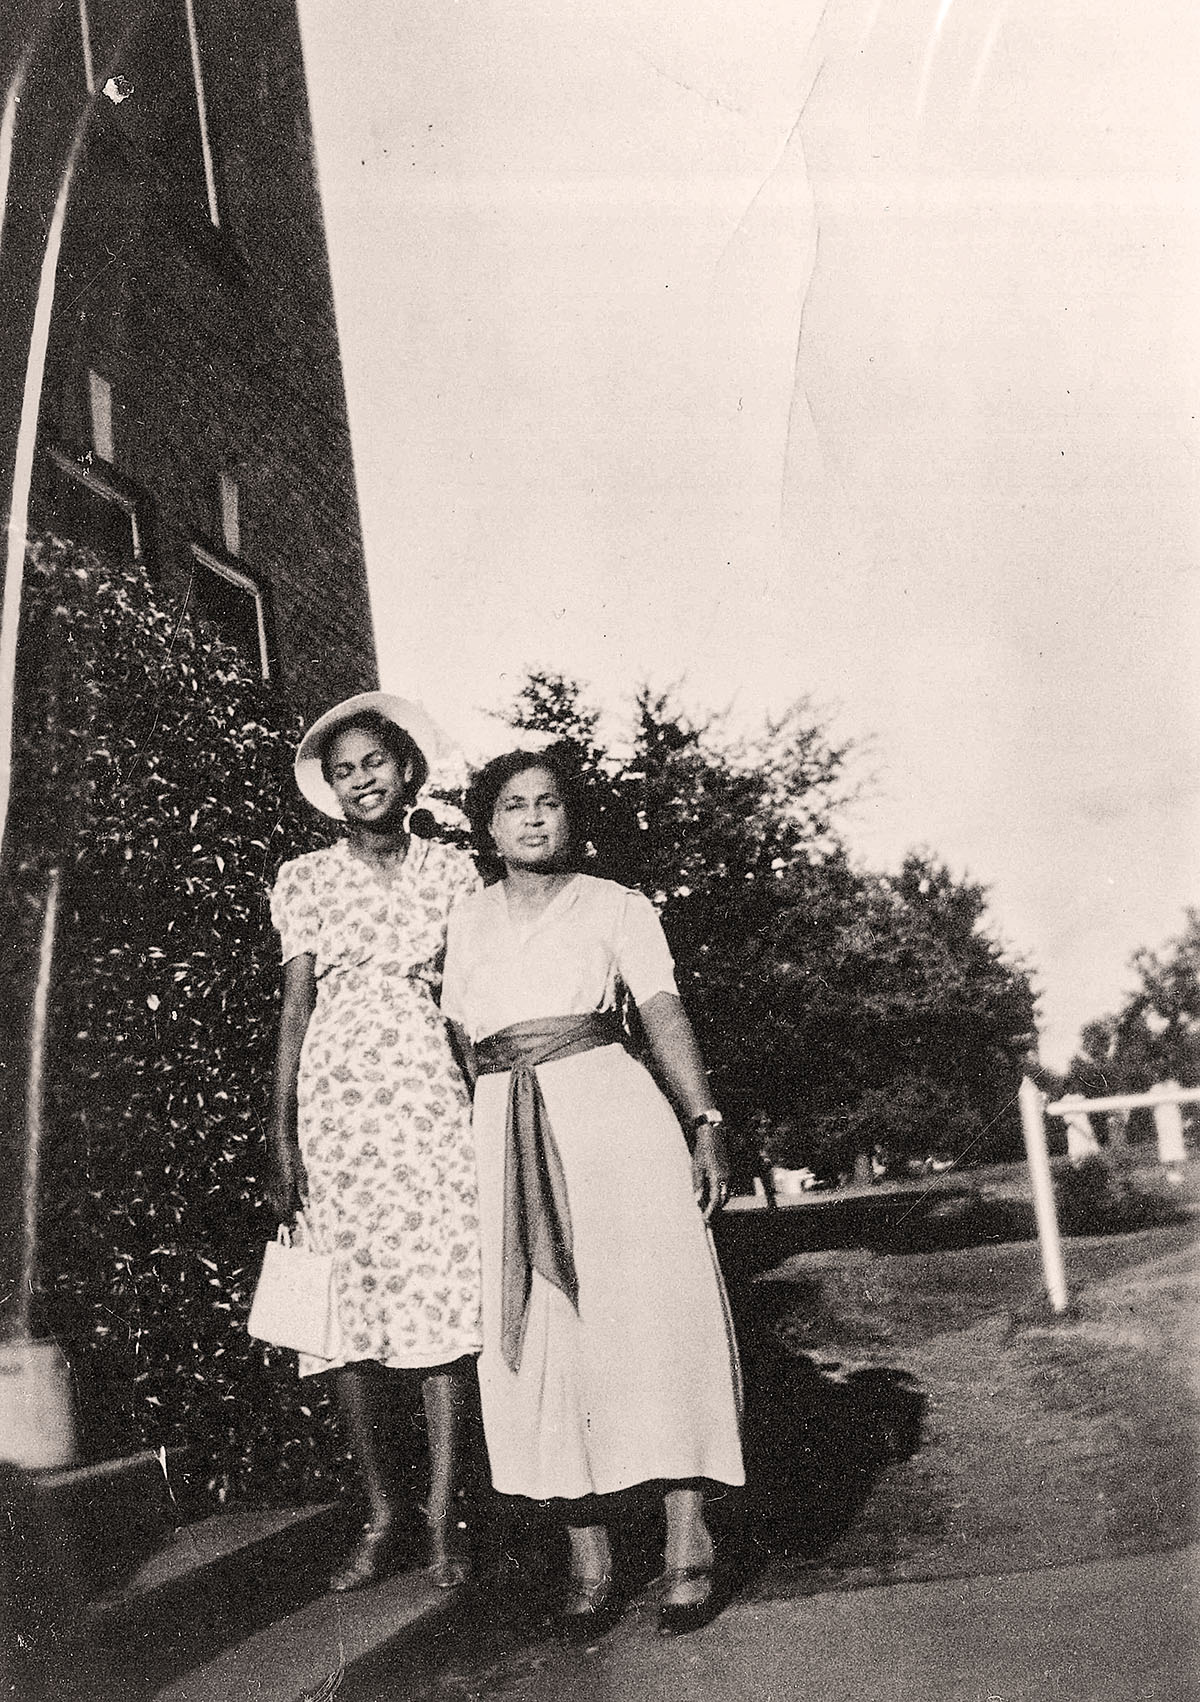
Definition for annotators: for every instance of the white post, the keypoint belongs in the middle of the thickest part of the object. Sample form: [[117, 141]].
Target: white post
[[1081, 1138], [37, 1421], [1033, 1127], [1168, 1126]]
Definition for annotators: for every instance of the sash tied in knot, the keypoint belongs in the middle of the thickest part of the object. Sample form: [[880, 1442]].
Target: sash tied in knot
[[537, 1214]]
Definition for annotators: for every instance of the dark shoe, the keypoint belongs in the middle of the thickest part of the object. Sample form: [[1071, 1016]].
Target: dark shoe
[[449, 1562], [677, 1618], [374, 1557], [591, 1609]]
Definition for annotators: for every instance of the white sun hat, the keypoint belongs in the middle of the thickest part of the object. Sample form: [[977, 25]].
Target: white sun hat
[[427, 737]]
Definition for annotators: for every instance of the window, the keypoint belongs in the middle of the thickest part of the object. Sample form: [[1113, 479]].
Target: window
[[100, 414], [159, 119], [93, 507], [231, 601], [231, 524]]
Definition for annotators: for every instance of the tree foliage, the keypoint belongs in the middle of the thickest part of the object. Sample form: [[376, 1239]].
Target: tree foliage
[[1155, 1034], [874, 1010]]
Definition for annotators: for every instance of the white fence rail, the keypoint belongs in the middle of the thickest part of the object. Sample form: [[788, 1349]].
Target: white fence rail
[[1167, 1093], [1164, 1099]]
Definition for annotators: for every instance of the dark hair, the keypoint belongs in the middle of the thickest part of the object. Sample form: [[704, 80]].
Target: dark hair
[[493, 777], [401, 745]]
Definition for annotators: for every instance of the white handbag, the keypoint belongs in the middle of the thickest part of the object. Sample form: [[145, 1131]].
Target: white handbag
[[295, 1302]]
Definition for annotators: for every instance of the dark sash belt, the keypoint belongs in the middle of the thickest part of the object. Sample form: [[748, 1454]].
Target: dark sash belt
[[537, 1216]]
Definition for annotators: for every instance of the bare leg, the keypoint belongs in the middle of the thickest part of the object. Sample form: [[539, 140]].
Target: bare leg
[[444, 1395], [592, 1605], [689, 1544], [591, 1566]]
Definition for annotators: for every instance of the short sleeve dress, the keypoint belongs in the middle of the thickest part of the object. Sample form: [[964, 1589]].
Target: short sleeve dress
[[642, 1382], [383, 1112]]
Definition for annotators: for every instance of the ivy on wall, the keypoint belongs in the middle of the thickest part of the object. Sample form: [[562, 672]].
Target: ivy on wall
[[153, 768]]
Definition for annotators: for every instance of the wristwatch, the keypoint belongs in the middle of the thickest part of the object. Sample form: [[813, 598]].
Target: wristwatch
[[708, 1120]]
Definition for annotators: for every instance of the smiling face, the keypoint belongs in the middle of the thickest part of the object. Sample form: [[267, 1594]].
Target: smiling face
[[369, 781], [529, 822]]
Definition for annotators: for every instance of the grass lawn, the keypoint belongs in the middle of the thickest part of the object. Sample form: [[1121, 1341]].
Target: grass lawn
[[923, 1414]]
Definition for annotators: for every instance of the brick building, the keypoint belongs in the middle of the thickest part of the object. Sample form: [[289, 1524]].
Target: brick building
[[192, 413]]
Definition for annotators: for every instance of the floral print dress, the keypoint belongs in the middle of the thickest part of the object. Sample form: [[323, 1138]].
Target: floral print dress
[[383, 1113]]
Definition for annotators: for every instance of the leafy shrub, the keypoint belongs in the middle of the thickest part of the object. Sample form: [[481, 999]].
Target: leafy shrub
[[968, 1220], [1094, 1201], [154, 769]]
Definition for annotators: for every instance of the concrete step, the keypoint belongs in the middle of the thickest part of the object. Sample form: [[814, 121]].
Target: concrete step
[[380, 1641], [114, 1513], [320, 1646], [211, 1584], [107, 1597], [66, 1536]]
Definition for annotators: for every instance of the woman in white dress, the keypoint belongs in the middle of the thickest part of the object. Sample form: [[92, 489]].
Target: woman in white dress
[[608, 1355], [371, 1124]]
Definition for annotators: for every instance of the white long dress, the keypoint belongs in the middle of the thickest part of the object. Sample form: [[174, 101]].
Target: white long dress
[[642, 1382]]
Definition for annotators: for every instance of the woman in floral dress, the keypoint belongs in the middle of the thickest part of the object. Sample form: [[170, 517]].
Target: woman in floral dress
[[371, 1122]]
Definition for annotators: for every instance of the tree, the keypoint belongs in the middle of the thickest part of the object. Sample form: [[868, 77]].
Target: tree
[[871, 1010], [1155, 1034], [931, 1024]]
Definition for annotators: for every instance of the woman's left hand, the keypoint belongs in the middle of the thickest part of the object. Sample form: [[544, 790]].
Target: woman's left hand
[[710, 1170]]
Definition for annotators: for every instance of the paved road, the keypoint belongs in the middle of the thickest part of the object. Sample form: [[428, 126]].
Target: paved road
[[1113, 1631]]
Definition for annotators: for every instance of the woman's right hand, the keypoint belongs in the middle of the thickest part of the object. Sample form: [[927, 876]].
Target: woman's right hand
[[287, 1180]]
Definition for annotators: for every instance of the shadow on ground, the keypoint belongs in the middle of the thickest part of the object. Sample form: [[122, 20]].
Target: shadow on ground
[[816, 1438]]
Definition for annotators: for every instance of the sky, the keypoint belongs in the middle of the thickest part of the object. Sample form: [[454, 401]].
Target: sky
[[770, 348]]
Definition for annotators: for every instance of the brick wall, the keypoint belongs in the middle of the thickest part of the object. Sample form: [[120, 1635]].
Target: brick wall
[[218, 341]]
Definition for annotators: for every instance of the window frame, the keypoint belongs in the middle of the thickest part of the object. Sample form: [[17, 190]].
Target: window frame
[[132, 503], [234, 572]]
